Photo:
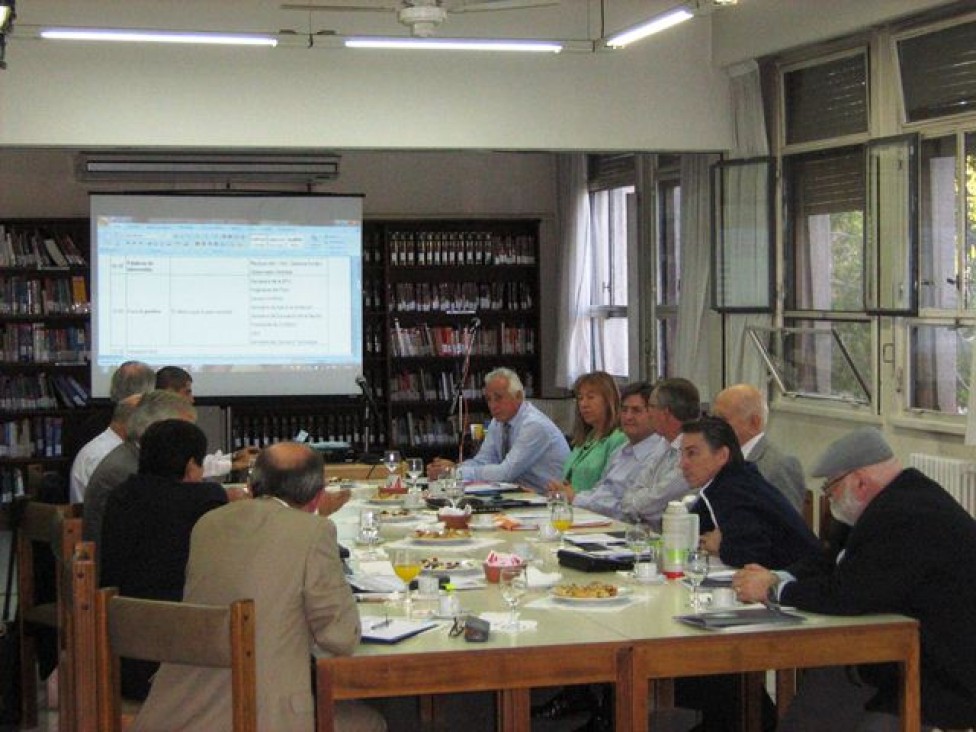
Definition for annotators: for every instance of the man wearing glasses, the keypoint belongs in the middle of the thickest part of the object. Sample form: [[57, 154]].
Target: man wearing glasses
[[911, 550]]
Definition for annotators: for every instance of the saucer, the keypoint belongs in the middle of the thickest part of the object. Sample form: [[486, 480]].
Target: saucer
[[656, 579]]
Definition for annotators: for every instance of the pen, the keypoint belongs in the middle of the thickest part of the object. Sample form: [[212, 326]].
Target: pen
[[380, 624]]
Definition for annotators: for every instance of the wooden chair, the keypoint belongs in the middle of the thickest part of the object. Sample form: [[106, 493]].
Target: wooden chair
[[174, 632], [39, 524], [77, 706]]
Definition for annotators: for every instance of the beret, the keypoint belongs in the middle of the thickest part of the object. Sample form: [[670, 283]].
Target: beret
[[864, 446]]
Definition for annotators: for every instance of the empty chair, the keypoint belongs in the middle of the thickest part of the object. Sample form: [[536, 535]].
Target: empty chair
[[179, 633]]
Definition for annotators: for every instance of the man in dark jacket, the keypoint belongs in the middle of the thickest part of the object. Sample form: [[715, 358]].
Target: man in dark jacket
[[743, 518], [911, 550]]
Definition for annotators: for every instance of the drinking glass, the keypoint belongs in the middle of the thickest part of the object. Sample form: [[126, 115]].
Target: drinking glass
[[560, 517], [513, 585], [369, 531], [391, 459], [406, 565], [637, 539], [696, 569], [415, 468], [453, 486]]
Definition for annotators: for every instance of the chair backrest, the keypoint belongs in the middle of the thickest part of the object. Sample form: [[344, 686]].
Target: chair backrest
[[37, 583], [175, 632], [77, 581]]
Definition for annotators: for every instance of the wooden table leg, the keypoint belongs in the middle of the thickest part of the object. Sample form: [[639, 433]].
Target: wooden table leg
[[624, 691], [427, 710], [911, 702], [751, 689], [785, 690], [515, 710], [324, 703]]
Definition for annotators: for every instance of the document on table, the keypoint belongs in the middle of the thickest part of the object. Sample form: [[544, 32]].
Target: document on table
[[717, 620], [392, 630]]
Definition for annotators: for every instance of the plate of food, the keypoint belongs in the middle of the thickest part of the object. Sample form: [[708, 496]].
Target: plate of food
[[437, 565], [441, 537], [395, 515], [393, 499], [592, 593]]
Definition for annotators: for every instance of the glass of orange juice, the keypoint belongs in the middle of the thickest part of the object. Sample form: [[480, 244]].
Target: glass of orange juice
[[561, 518], [406, 565]]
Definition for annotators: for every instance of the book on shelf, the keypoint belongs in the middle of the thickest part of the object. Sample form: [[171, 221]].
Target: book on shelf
[[54, 253]]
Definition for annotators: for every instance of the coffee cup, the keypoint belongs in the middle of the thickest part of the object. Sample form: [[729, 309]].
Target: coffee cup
[[723, 597]]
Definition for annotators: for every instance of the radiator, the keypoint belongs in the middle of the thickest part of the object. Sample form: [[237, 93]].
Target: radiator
[[958, 477]]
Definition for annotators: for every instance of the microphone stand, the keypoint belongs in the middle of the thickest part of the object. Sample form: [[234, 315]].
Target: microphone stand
[[369, 409], [458, 403]]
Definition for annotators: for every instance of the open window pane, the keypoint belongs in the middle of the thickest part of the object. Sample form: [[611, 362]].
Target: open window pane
[[941, 364], [818, 359], [970, 221], [890, 237], [825, 218], [938, 72], [938, 204], [742, 253]]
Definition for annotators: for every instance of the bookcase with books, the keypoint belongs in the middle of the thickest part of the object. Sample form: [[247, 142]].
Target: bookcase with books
[[44, 343], [448, 281]]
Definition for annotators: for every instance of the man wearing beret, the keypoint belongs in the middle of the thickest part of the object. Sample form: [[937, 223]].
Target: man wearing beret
[[911, 550]]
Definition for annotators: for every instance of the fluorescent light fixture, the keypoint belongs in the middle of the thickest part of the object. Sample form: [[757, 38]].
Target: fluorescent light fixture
[[113, 165], [655, 25], [454, 44], [137, 36]]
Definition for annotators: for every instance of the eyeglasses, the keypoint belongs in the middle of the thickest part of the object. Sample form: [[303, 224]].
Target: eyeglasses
[[829, 485], [458, 627]]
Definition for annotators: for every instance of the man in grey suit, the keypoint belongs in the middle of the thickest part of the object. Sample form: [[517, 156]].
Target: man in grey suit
[[277, 551], [744, 407]]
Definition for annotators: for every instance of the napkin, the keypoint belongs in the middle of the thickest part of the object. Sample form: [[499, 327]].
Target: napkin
[[376, 583], [538, 578], [499, 623]]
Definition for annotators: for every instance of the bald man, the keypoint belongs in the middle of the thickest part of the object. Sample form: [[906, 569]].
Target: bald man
[[744, 407]]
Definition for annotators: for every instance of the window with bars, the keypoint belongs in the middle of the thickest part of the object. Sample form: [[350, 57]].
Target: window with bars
[[826, 100], [938, 72]]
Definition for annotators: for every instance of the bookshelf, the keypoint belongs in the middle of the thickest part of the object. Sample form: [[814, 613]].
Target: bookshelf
[[442, 276], [44, 344]]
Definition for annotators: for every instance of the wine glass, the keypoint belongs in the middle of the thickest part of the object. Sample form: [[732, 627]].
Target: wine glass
[[637, 539], [513, 585], [453, 486], [406, 565], [391, 459], [369, 531], [560, 517], [415, 468], [696, 569]]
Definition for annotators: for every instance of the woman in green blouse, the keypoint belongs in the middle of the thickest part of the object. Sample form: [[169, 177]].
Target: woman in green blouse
[[596, 433]]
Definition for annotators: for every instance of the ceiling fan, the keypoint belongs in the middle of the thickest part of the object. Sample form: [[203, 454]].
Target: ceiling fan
[[424, 16]]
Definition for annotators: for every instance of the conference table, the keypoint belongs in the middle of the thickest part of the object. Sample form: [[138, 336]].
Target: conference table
[[635, 644]]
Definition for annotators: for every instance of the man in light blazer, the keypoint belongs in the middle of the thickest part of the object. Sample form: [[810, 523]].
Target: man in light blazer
[[744, 407], [276, 551]]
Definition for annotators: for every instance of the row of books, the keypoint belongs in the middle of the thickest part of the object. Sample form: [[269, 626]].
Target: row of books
[[461, 296], [12, 482], [424, 430], [31, 437], [373, 337], [41, 391], [426, 385], [455, 248], [449, 341], [44, 296], [31, 248], [261, 431], [38, 343]]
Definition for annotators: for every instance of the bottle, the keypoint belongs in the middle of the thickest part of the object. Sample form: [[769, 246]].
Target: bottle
[[679, 530]]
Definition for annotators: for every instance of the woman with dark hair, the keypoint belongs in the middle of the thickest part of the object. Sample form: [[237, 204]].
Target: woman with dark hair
[[596, 433]]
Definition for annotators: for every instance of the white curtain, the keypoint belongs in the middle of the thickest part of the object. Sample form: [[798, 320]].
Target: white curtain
[[742, 361], [575, 271], [695, 318]]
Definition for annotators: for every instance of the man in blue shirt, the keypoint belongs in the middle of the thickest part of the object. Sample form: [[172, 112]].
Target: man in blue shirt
[[522, 445]]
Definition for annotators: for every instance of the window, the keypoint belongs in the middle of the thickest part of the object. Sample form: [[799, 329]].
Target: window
[[668, 272], [941, 366], [938, 72], [826, 100], [825, 240], [609, 211]]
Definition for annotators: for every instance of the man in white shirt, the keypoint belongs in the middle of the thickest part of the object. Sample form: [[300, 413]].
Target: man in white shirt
[[644, 448], [745, 409], [92, 453]]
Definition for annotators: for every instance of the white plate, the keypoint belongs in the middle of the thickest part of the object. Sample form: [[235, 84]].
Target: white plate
[[622, 592], [427, 541], [385, 501], [360, 542], [475, 525], [397, 519], [464, 566]]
